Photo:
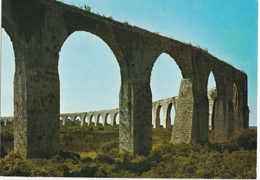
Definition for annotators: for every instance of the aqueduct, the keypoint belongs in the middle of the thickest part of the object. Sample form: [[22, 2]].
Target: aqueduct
[[38, 29], [83, 118]]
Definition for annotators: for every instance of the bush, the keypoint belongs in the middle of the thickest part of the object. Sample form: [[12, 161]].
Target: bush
[[104, 158], [86, 171], [14, 165], [69, 155], [246, 139], [3, 152], [106, 147], [7, 136], [101, 172], [101, 128], [133, 164], [155, 156]]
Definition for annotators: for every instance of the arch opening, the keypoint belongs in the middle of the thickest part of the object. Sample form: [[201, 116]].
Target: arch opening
[[108, 119], [100, 120], [165, 83], [85, 119], [7, 74], [77, 120], [161, 116], [212, 100], [158, 115], [165, 79], [92, 120], [171, 113], [116, 119], [88, 71]]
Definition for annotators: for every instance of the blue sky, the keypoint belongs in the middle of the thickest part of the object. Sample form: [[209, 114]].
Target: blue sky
[[89, 72]]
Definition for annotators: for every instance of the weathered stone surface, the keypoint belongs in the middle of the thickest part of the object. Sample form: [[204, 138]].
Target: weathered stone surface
[[212, 96], [182, 128], [38, 29]]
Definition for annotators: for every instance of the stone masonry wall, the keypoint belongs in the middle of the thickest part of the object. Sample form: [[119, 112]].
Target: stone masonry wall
[[182, 127]]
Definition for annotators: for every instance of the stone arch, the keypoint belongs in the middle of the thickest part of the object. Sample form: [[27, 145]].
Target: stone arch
[[82, 119], [117, 52], [181, 55], [62, 122], [68, 120], [158, 114], [91, 121], [212, 98], [98, 66], [99, 120], [78, 120], [86, 120], [175, 74], [114, 118], [169, 118], [224, 107], [162, 63], [108, 119], [63, 119]]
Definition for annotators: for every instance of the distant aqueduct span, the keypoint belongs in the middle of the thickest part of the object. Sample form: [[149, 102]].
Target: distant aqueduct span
[[83, 118]]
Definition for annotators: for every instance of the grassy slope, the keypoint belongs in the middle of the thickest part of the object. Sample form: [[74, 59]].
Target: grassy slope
[[93, 152]]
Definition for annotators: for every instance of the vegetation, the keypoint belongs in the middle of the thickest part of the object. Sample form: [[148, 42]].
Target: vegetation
[[93, 152]]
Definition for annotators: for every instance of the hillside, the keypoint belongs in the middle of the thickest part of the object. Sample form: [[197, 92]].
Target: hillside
[[93, 152]]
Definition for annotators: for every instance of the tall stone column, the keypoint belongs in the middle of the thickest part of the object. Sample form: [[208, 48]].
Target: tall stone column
[[224, 110], [239, 99], [156, 117], [212, 96], [135, 133], [36, 100], [182, 128], [167, 116]]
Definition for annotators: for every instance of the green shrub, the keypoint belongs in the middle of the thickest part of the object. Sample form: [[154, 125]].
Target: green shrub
[[101, 172], [101, 128], [155, 156], [86, 160], [133, 163], [246, 139], [106, 147], [235, 158], [3, 152], [7, 136], [86, 171], [69, 155], [140, 164], [15, 165], [104, 158]]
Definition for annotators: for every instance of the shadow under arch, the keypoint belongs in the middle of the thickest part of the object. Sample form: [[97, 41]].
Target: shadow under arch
[[88, 73]]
